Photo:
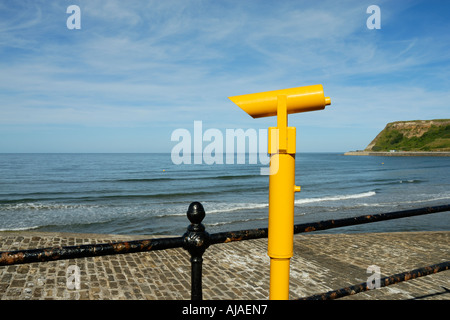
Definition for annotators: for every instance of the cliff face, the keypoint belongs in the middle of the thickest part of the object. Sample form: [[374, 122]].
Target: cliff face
[[418, 135]]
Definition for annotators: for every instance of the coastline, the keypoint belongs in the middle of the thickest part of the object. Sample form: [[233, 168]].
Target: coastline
[[398, 153]]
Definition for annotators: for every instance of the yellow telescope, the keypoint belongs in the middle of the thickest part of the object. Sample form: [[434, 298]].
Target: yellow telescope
[[300, 99], [282, 148]]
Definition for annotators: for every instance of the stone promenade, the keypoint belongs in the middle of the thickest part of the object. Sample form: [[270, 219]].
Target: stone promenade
[[238, 270]]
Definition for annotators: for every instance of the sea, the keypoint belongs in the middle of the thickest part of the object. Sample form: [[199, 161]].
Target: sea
[[147, 194]]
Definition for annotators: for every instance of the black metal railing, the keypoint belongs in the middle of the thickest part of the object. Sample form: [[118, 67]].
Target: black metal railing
[[386, 281], [196, 240]]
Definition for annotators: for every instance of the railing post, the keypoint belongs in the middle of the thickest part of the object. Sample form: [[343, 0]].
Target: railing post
[[196, 241]]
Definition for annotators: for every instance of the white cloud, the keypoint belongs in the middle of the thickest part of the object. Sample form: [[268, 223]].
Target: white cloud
[[165, 62]]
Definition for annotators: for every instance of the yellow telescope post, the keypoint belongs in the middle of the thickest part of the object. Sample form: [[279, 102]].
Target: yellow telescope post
[[282, 148]]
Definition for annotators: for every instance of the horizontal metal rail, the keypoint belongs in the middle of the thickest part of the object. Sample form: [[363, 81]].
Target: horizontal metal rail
[[396, 278], [224, 237], [230, 236], [329, 224], [91, 250]]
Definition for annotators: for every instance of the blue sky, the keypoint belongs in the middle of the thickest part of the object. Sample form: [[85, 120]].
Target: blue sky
[[138, 70]]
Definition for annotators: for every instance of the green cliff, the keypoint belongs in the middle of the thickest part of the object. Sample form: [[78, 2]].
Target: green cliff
[[417, 135]]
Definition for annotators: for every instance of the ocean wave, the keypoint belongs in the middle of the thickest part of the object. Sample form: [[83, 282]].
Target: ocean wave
[[238, 207], [218, 208], [435, 198], [410, 181], [222, 223], [233, 177], [395, 203], [104, 196], [226, 207], [336, 198], [43, 206], [392, 181], [166, 215], [20, 229], [200, 177], [140, 180]]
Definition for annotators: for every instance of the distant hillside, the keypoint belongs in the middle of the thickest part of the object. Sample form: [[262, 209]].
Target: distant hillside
[[417, 135]]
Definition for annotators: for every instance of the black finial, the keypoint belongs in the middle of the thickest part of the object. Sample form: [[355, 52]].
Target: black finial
[[196, 213]]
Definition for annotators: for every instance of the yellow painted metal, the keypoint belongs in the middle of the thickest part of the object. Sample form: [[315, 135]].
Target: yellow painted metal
[[282, 123], [299, 99], [282, 148], [281, 203], [290, 140], [281, 206], [279, 279]]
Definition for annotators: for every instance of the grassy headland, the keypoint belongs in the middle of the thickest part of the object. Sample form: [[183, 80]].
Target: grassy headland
[[417, 135]]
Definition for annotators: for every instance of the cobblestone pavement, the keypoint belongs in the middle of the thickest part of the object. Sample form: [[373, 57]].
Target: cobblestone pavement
[[238, 270]]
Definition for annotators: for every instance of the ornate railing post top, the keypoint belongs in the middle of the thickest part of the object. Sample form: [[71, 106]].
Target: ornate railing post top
[[196, 213]]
